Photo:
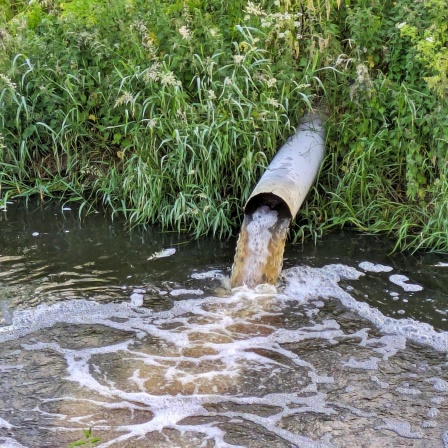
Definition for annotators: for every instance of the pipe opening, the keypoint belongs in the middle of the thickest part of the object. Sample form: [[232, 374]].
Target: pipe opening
[[272, 201]]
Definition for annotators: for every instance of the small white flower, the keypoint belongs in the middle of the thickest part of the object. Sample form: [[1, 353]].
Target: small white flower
[[211, 94], [271, 82], [400, 25], [8, 82], [430, 39], [281, 35], [362, 72], [238, 58], [254, 9], [184, 32], [182, 115], [169, 79], [126, 98], [152, 73], [227, 81], [152, 123], [273, 102]]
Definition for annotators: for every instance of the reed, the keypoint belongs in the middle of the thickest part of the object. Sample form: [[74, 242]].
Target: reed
[[167, 112]]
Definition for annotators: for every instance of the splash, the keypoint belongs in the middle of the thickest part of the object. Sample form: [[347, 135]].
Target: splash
[[259, 253]]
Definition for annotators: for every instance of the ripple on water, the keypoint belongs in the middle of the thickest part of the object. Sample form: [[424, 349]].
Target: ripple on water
[[306, 365]]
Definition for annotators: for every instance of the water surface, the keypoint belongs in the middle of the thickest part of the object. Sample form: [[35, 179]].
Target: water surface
[[137, 335]]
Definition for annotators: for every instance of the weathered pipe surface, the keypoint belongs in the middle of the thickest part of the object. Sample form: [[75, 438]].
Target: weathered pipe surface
[[289, 177]]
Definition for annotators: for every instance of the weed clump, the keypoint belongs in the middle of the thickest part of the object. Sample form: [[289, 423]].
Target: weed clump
[[168, 111]]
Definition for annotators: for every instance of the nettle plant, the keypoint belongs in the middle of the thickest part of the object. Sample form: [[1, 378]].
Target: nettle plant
[[430, 42], [425, 27]]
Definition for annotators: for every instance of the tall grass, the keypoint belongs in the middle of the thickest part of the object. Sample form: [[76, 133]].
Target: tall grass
[[168, 111]]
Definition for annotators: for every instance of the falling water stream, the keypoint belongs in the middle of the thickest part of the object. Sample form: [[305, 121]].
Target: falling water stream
[[259, 251], [139, 337]]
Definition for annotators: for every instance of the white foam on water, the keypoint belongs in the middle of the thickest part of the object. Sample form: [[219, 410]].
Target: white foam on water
[[433, 412], [401, 280], [382, 384], [75, 312], [445, 439], [214, 274], [182, 292], [408, 391], [8, 442], [402, 428], [163, 253], [219, 358], [227, 356], [137, 299], [303, 283], [5, 424], [370, 364], [439, 384], [371, 267]]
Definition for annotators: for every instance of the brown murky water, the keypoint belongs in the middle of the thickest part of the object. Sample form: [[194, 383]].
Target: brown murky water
[[140, 338], [260, 247]]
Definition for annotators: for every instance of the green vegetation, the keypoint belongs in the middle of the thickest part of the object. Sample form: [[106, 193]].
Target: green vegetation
[[87, 441], [168, 111]]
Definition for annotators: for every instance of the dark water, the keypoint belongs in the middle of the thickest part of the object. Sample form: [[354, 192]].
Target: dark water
[[98, 330]]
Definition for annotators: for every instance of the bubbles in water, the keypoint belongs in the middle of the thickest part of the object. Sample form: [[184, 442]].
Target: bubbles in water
[[401, 280], [137, 299], [304, 364], [403, 429], [183, 292], [371, 267], [214, 274], [259, 253], [163, 253]]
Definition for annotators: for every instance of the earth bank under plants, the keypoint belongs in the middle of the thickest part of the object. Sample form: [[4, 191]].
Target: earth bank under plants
[[168, 111]]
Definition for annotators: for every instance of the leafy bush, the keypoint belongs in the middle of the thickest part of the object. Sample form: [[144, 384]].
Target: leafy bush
[[169, 111]]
